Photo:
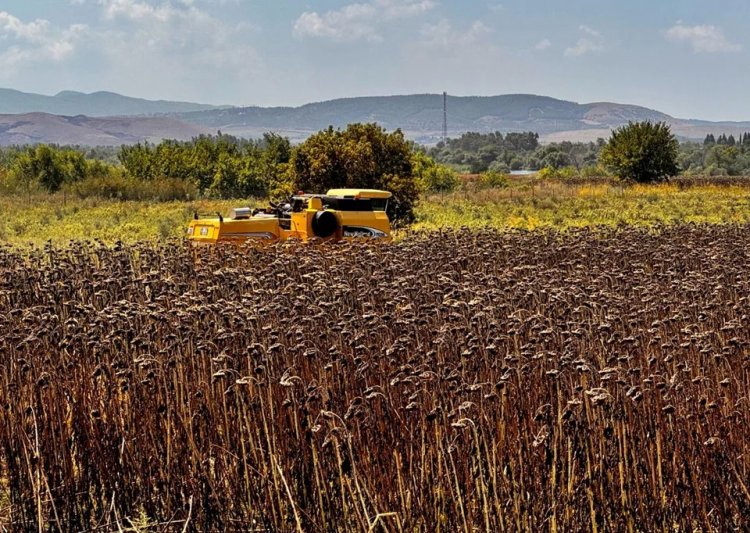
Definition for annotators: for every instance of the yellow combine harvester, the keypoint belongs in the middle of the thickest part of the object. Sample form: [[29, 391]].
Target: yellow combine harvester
[[338, 214]]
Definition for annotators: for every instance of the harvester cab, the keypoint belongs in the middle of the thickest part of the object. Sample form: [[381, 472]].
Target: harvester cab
[[338, 214]]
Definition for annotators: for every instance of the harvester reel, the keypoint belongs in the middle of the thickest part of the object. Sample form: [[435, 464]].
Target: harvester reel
[[324, 224]]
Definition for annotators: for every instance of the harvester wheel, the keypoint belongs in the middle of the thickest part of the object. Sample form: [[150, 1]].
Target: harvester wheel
[[324, 224]]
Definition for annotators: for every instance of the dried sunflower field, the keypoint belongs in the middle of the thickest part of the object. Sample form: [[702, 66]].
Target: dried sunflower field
[[594, 380]]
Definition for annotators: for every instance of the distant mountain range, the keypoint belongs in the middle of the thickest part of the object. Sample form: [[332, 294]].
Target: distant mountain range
[[112, 119], [421, 116], [99, 104], [33, 128]]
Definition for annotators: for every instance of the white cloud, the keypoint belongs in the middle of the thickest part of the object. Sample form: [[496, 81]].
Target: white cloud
[[443, 35], [543, 44], [360, 21], [393, 9], [170, 31], [463, 58], [134, 10], [592, 41], [702, 38], [36, 41], [34, 31], [176, 48], [350, 23], [175, 45]]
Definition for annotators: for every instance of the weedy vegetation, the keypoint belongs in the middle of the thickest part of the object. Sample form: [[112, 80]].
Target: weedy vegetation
[[522, 203], [554, 205], [451, 381], [59, 219]]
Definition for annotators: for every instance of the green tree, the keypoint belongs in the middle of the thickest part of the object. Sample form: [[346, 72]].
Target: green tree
[[500, 167], [555, 159], [721, 157], [432, 176], [226, 182], [642, 152], [73, 165], [221, 165], [362, 155], [49, 167], [274, 164], [137, 160]]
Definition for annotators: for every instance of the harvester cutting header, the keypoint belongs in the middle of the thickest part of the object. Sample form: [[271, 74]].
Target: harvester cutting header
[[338, 214]]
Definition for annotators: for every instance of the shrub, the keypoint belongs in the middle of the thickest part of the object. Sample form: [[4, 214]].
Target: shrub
[[593, 171], [432, 176], [7, 184], [499, 166], [493, 180], [117, 185], [550, 173]]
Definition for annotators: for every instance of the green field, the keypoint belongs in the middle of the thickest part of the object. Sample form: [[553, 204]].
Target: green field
[[41, 218]]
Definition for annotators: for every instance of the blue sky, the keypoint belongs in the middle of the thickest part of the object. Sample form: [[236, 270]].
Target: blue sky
[[689, 58]]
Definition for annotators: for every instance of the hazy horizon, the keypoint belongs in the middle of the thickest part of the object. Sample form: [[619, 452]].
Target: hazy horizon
[[682, 58]]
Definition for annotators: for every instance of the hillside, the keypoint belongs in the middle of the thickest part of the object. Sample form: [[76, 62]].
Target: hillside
[[419, 116], [98, 104], [33, 128]]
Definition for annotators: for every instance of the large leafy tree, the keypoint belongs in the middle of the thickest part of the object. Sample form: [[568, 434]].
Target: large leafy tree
[[642, 152], [362, 155]]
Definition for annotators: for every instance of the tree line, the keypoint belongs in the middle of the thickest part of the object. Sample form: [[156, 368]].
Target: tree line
[[361, 155], [722, 155], [224, 166], [729, 141], [476, 153]]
